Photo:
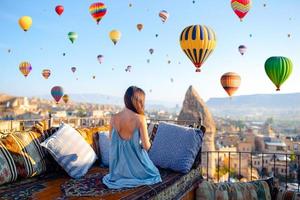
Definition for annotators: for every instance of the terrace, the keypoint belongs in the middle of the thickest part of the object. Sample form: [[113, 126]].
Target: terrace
[[230, 166]]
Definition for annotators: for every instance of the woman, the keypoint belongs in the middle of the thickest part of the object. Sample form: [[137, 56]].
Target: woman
[[129, 163]]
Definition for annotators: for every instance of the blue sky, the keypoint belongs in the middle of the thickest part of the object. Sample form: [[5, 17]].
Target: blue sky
[[46, 41]]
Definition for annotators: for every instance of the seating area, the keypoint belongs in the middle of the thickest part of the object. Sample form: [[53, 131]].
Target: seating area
[[30, 171]]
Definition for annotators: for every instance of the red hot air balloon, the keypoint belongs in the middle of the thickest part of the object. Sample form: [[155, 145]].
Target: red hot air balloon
[[57, 92], [241, 7], [59, 9]]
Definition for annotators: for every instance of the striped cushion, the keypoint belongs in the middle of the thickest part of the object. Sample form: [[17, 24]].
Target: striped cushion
[[70, 150], [288, 195], [8, 170], [233, 191], [26, 152]]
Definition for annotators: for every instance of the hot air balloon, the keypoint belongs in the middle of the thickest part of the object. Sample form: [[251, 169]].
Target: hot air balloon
[[148, 60], [169, 61], [198, 42], [241, 7], [57, 92], [73, 69], [156, 35], [25, 68], [65, 98], [164, 15], [128, 68], [46, 73], [72, 36], [64, 54], [115, 36], [100, 58], [130, 5], [172, 80], [59, 9], [278, 70], [139, 26], [25, 22], [94, 77], [231, 82], [98, 10], [242, 49], [8, 50], [151, 51]]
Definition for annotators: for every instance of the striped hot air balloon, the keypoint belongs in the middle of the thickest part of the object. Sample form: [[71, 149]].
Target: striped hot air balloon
[[72, 36], [98, 10], [46, 73], [231, 82], [57, 92], [278, 70], [241, 7], [25, 68], [198, 42], [164, 15]]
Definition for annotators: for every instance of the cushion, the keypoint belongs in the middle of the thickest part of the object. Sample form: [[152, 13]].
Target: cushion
[[104, 146], [8, 169], [288, 195], [233, 191], [70, 150], [175, 147], [26, 152]]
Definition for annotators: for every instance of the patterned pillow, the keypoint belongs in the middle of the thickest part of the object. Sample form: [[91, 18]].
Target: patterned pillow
[[288, 195], [233, 191], [70, 150], [8, 170], [26, 152], [104, 145], [175, 147]]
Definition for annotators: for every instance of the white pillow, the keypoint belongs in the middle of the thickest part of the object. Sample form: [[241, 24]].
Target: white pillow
[[70, 150]]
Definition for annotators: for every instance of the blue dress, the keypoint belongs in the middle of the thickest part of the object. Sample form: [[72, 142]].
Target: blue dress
[[129, 164]]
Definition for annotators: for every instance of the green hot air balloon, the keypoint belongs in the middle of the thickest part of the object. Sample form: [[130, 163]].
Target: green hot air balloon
[[72, 36], [278, 70]]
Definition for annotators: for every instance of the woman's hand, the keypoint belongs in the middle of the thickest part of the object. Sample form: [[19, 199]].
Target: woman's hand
[[144, 133]]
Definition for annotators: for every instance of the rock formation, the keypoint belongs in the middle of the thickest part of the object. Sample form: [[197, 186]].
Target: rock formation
[[193, 109]]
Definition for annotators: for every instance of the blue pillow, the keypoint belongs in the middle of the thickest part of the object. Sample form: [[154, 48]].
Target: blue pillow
[[175, 147], [104, 145], [70, 150]]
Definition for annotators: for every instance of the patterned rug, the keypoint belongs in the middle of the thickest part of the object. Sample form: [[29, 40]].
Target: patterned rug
[[92, 186]]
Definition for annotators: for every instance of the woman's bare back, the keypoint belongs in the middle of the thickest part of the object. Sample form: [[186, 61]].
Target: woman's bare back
[[125, 122]]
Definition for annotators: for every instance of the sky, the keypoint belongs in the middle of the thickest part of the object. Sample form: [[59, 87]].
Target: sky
[[46, 41]]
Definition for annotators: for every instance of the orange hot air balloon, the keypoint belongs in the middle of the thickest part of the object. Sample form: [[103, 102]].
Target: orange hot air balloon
[[65, 98], [25, 68], [46, 73], [140, 26], [231, 82]]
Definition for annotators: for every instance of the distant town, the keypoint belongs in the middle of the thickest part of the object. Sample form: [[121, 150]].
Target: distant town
[[278, 144]]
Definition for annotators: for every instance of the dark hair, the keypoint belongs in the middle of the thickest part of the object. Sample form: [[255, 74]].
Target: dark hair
[[134, 100]]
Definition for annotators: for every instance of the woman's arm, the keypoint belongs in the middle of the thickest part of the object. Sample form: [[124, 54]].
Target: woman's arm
[[144, 133]]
